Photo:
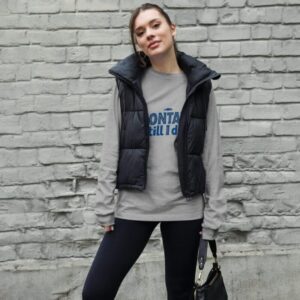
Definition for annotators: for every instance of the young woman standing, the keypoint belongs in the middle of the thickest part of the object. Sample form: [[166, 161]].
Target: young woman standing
[[162, 151]]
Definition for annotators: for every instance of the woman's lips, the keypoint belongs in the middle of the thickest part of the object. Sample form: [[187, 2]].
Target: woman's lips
[[153, 45]]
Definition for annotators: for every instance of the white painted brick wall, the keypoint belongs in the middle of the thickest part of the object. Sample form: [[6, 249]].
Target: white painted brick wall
[[55, 91]]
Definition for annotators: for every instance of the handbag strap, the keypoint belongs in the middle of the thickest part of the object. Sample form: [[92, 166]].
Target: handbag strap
[[202, 252]]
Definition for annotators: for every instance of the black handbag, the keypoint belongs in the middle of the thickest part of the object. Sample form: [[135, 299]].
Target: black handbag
[[213, 288]]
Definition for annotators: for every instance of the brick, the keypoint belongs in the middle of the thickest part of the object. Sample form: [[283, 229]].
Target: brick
[[286, 128], [13, 37], [121, 51], [95, 70], [43, 86], [191, 48], [55, 71], [32, 21], [291, 111], [291, 15], [291, 80], [231, 65], [263, 81], [271, 15], [286, 96], [43, 6], [259, 145], [99, 36], [209, 50], [81, 119], [10, 125], [77, 54], [24, 73], [261, 96], [263, 64], [250, 15], [260, 128], [17, 6], [282, 32], [94, 102], [84, 152], [286, 236], [94, 5], [27, 157], [8, 107], [229, 32], [120, 20], [91, 135], [265, 2], [185, 17], [80, 20], [101, 86], [236, 3], [100, 53], [7, 253], [9, 21], [286, 48], [99, 118], [180, 3], [215, 3], [261, 112], [255, 48], [191, 34], [293, 64], [30, 251], [296, 31], [234, 97], [207, 16], [237, 193], [229, 113], [55, 38], [286, 193], [234, 129], [8, 157], [35, 122], [8, 72], [233, 178], [259, 237], [261, 31], [59, 121], [78, 86], [56, 155], [229, 82], [67, 5], [229, 16], [230, 49]]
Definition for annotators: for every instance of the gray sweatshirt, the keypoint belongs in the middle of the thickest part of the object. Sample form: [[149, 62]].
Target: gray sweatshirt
[[162, 199]]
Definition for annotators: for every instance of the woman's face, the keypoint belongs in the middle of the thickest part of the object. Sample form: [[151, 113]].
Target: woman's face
[[153, 35]]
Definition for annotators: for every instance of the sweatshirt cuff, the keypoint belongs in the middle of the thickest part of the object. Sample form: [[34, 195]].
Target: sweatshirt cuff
[[106, 220], [209, 234]]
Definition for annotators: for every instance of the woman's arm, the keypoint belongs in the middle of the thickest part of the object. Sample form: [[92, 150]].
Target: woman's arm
[[215, 204], [107, 172]]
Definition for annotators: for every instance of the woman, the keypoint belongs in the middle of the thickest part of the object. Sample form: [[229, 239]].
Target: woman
[[162, 152]]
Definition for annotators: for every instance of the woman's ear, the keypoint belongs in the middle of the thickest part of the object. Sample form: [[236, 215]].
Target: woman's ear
[[173, 29]]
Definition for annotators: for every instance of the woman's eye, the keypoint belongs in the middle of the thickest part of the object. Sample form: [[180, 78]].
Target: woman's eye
[[156, 25]]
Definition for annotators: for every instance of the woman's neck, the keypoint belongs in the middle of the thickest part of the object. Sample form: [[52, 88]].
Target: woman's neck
[[166, 63]]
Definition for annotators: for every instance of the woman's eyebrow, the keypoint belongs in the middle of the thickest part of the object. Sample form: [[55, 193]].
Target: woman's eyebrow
[[151, 21]]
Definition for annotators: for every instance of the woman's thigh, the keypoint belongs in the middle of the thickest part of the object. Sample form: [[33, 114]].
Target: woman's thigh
[[117, 253], [181, 242]]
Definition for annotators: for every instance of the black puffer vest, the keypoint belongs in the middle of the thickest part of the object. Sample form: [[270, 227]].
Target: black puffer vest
[[134, 136]]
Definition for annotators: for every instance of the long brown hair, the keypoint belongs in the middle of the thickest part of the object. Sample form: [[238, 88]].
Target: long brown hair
[[140, 54]]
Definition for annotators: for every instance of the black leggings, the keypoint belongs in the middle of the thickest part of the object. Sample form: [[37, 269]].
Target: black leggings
[[120, 249]]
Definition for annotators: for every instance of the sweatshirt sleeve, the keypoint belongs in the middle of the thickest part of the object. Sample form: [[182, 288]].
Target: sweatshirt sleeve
[[107, 172], [215, 202]]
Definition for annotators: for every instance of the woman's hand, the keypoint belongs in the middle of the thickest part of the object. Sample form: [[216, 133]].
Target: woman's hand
[[108, 228]]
